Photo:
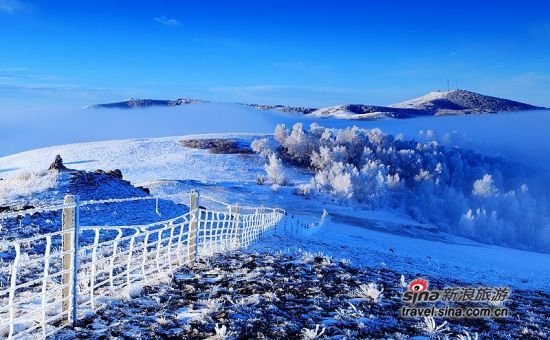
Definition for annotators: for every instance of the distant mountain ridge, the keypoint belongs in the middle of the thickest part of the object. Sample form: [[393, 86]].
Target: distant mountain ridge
[[135, 103], [434, 103], [282, 108], [454, 102]]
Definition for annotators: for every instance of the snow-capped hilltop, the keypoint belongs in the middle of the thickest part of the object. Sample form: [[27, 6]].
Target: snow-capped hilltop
[[135, 103], [462, 102], [361, 111]]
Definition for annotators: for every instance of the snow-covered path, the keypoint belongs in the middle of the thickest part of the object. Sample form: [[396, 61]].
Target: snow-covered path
[[372, 240]]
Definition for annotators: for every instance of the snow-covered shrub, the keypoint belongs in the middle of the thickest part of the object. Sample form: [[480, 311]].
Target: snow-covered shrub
[[349, 313], [431, 328], [461, 191], [310, 334], [337, 179], [308, 257], [263, 147], [402, 282], [275, 171], [162, 320], [484, 187], [271, 296], [221, 333], [369, 291], [212, 305], [297, 144], [326, 261], [345, 262], [304, 189]]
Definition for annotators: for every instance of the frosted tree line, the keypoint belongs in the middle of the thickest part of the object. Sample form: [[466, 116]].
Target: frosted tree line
[[461, 191]]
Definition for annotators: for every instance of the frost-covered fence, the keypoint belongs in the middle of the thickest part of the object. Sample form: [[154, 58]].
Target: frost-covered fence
[[50, 280]]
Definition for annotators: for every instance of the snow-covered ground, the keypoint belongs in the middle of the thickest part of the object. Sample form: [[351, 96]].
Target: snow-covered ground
[[142, 160], [289, 296], [375, 238]]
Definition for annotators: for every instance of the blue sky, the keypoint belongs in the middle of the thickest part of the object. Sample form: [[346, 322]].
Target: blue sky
[[311, 53]]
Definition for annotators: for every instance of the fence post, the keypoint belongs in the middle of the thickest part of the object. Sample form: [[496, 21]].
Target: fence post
[[262, 212], [193, 225], [69, 260], [237, 225]]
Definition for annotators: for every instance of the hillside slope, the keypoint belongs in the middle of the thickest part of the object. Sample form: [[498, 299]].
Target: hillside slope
[[361, 111], [462, 102]]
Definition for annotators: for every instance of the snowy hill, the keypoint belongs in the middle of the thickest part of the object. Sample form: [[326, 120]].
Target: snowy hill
[[36, 189], [135, 103], [462, 102], [282, 108], [360, 111], [433, 103]]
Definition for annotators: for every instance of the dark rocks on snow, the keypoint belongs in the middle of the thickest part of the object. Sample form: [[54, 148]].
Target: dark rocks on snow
[[57, 164], [145, 190], [115, 173], [217, 145], [108, 183]]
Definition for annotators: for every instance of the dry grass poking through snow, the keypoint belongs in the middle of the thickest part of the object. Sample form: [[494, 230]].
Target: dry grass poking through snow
[[276, 296], [26, 183]]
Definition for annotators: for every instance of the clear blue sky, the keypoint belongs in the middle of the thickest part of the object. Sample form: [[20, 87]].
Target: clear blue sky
[[309, 52]]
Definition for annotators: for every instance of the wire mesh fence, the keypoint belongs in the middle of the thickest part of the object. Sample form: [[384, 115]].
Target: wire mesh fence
[[50, 280]]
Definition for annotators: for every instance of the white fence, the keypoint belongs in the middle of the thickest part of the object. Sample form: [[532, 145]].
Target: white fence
[[55, 278]]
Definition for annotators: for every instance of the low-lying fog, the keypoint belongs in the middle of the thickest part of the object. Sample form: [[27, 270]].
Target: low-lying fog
[[519, 136]]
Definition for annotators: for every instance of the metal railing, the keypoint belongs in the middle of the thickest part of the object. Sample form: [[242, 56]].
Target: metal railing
[[50, 280]]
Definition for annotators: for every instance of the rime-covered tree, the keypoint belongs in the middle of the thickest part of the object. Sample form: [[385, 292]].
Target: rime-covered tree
[[461, 191], [275, 171]]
